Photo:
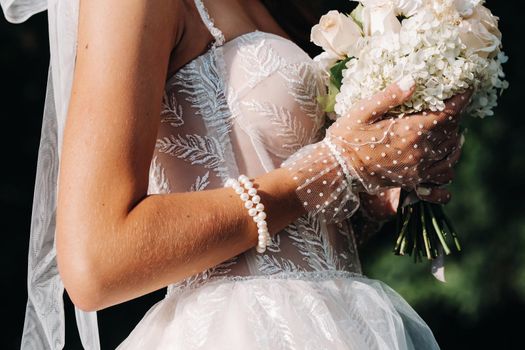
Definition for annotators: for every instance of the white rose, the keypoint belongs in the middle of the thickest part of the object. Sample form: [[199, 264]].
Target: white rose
[[480, 33], [337, 34], [378, 20], [406, 8], [326, 60]]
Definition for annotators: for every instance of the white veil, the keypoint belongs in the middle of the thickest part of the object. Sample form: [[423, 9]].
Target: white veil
[[44, 326]]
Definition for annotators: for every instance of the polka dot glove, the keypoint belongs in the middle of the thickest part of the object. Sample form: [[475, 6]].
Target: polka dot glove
[[369, 150]]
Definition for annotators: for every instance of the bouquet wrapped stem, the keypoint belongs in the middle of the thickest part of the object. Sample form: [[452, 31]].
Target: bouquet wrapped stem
[[422, 228]]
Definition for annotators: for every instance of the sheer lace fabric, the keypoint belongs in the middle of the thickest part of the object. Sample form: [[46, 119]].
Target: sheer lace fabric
[[243, 108], [370, 150]]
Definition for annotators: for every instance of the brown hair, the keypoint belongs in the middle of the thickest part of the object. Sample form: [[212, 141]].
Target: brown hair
[[297, 17]]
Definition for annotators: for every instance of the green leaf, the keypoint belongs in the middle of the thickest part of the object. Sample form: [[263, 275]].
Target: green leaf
[[336, 73], [327, 101]]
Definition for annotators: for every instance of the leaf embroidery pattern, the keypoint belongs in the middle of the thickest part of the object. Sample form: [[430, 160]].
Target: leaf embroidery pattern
[[201, 150], [200, 318], [201, 277], [275, 244], [305, 86], [271, 264], [277, 327], [158, 182], [309, 238], [290, 129], [200, 183], [171, 111], [350, 255], [261, 55], [201, 82]]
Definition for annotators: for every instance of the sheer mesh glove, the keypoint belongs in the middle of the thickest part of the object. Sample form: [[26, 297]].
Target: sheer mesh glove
[[369, 151]]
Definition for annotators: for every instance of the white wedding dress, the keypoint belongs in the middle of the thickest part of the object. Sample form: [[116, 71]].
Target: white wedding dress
[[245, 106]]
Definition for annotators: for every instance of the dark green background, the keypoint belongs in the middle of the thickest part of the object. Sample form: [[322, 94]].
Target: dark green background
[[481, 305]]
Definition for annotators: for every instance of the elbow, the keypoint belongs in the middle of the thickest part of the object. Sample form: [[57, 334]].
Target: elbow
[[81, 277], [84, 300], [81, 284]]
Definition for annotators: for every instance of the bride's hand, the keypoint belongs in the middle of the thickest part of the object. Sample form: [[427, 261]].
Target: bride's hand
[[369, 151], [405, 152], [383, 205]]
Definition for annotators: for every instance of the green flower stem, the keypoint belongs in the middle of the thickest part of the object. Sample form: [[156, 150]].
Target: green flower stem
[[451, 230], [425, 233], [439, 231], [422, 228], [401, 241]]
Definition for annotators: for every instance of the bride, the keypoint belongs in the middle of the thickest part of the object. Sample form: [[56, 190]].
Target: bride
[[195, 157]]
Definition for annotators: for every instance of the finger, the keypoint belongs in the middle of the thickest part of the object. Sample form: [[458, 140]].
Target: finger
[[384, 204], [450, 117], [447, 147], [442, 171], [391, 199], [457, 103], [433, 194], [451, 159], [441, 174], [370, 109], [446, 120], [454, 157]]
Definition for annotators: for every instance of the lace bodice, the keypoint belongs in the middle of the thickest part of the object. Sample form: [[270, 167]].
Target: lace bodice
[[243, 107]]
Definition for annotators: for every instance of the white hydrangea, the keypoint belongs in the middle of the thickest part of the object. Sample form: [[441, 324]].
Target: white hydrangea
[[430, 49]]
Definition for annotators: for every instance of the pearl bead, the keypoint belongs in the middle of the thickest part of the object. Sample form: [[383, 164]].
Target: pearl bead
[[243, 178], [252, 212], [248, 204], [256, 199], [252, 191], [238, 190], [248, 185], [262, 231], [262, 224], [260, 250], [245, 196], [262, 215], [259, 207]]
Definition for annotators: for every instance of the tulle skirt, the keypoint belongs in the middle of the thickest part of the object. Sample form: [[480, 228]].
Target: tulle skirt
[[291, 310]]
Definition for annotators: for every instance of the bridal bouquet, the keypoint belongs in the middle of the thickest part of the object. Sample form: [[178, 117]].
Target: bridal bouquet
[[447, 46]]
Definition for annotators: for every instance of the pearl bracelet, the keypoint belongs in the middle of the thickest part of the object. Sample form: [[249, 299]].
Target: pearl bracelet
[[252, 201]]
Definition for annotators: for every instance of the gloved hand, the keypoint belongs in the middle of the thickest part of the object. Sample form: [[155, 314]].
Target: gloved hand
[[369, 150]]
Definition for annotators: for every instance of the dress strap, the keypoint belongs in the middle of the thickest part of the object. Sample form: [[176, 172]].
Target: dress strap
[[208, 21]]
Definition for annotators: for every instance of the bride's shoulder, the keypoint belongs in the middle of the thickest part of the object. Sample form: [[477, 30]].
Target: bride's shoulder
[[133, 20]]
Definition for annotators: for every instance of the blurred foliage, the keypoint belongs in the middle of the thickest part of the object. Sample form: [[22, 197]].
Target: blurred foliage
[[485, 288]]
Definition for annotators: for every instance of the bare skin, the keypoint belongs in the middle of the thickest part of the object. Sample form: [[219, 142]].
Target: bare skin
[[115, 242]]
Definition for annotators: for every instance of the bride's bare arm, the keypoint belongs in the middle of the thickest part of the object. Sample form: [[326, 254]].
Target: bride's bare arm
[[114, 242]]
